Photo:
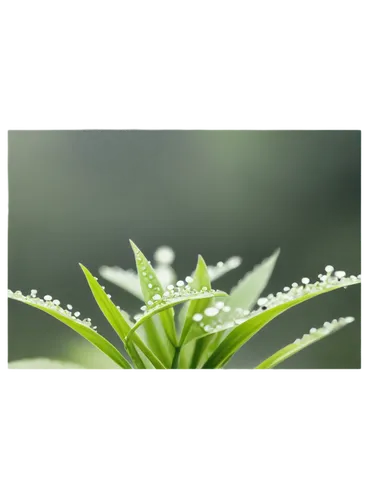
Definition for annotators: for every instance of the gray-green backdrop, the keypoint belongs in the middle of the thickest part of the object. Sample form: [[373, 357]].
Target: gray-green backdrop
[[78, 196]]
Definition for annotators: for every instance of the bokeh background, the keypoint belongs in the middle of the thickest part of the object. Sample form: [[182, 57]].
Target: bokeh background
[[78, 196]]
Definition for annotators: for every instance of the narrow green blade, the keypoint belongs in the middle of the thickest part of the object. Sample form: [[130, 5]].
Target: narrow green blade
[[299, 344], [126, 279], [75, 324], [151, 288], [116, 319], [246, 326], [171, 301], [200, 281], [108, 308], [247, 291]]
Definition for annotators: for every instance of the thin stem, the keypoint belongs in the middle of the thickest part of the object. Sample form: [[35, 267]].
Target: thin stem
[[176, 357]]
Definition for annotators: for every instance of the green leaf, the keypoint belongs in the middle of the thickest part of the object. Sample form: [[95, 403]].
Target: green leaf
[[126, 279], [110, 311], [117, 319], [151, 288], [222, 268], [247, 291], [201, 281], [245, 327], [299, 344], [75, 324], [173, 301]]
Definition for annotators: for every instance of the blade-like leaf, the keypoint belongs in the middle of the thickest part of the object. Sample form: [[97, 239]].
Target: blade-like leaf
[[81, 327], [172, 300], [247, 291], [108, 308], [127, 280], [115, 318], [247, 326], [200, 281], [151, 289], [221, 268], [299, 344]]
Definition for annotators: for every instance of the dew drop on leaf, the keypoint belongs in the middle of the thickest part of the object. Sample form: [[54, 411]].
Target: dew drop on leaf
[[198, 317], [211, 311]]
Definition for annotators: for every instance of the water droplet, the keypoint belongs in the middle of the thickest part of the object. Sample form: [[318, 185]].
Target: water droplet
[[340, 274], [150, 303], [69, 306], [143, 308], [151, 276], [204, 289], [157, 297], [47, 298], [180, 283], [164, 255], [56, 302], [305, 281], [294, 285], [189, 279], [197, 317], [33, 292], [150, 285], [170, 287], [211, 311], [286, 289], [219, 305], [220, 264], [109, 296], [77, 314], [226, 309], [262, 301], [329, 269]]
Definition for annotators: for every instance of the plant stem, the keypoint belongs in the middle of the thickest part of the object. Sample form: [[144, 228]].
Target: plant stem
[[176, 357]]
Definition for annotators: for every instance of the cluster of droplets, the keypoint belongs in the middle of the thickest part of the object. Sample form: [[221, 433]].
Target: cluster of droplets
[[172, 294], [50, 303], [326, 329], [222, 268], [220, 317]]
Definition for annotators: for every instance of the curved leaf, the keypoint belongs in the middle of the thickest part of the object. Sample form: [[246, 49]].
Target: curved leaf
[[126, 279], [247, 326], [81, 327], [247, 291], [200, 281], [173, 301], [108, 308], [151, 288], [308, 339]]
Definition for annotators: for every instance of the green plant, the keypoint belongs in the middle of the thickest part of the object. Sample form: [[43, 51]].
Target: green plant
[[211, 325]]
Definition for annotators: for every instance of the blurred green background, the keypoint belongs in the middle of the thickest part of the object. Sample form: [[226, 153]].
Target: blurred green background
[[78, 196]]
